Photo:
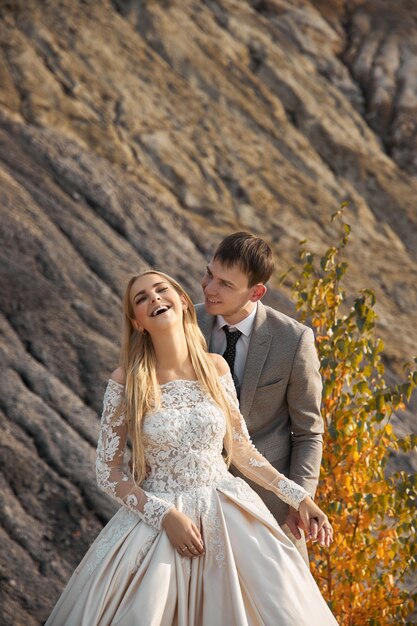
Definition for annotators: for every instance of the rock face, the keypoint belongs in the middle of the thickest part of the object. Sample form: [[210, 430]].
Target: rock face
[[139, 133]]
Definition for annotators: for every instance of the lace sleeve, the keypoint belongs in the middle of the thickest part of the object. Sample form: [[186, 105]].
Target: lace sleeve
[[111, 477], [250, 462]]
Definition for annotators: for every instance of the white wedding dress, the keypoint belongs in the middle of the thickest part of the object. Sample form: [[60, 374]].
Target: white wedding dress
[[251, 573]]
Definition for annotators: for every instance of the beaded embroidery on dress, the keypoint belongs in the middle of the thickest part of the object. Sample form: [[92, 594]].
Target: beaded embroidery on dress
[[250, 573]]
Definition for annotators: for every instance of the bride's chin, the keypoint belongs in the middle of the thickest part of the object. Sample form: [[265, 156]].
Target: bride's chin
[[167, 324]]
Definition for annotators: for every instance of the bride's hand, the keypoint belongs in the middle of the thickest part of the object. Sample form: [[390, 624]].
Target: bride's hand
[[315, 523], [183, 534]]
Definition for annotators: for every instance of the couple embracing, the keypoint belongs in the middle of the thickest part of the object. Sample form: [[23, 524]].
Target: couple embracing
[[193, 543]]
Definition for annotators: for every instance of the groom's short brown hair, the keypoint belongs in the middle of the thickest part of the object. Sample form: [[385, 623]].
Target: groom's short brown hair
[[251, 254]]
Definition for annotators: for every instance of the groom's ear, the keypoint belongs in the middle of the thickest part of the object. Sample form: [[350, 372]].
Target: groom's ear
[[258, 292]]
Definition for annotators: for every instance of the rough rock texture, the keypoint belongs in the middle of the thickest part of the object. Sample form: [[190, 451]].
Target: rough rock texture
[[136, 133]]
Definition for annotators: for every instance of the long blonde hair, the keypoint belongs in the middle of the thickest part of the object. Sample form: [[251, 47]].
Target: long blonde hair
[[142, 392]]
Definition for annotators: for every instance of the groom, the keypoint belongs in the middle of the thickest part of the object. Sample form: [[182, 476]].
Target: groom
[[274, 364]]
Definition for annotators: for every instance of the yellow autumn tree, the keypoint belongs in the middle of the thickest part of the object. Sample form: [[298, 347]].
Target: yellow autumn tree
[[367, 574]]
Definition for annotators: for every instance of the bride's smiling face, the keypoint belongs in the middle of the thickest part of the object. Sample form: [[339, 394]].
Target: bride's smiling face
[[156, 304]]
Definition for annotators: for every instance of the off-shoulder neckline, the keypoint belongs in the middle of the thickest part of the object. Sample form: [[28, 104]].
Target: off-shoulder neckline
[[169, 382]]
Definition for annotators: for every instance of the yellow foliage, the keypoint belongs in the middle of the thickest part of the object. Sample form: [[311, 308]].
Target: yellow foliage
[[362, 574]]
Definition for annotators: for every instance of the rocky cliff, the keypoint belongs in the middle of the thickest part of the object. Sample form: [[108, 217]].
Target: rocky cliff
[[138, 133]]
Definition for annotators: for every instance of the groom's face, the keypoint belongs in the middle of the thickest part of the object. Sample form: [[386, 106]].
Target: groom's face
[[226, 292]]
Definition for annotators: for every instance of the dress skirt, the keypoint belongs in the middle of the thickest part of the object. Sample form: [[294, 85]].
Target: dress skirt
[[250, 575]]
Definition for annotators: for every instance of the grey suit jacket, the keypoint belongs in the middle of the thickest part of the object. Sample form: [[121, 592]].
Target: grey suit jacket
[[280, 398]]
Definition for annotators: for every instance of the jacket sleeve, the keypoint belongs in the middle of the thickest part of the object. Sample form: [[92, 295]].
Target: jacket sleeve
[[247, 459], [304, 402], [111, 476]]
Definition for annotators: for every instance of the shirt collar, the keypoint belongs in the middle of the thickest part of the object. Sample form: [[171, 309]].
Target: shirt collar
[[245, 326]]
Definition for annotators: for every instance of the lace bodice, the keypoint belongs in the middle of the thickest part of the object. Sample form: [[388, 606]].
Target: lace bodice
[[183, 443]]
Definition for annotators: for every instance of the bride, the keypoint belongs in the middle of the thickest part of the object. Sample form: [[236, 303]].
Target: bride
[[191, 545]]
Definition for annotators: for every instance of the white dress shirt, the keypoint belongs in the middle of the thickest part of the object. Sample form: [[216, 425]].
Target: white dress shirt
[[218, 340]]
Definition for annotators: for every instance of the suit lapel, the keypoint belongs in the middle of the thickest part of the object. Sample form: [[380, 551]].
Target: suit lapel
[[259, 344]]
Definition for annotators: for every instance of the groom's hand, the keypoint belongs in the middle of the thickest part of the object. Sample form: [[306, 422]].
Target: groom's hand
[[294, 522]]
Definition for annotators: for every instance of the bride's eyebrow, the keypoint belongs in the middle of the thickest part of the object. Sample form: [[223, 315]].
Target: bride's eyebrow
[[139, 293]]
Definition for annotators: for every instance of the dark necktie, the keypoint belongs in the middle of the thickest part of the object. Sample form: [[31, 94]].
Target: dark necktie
[[232, 337]]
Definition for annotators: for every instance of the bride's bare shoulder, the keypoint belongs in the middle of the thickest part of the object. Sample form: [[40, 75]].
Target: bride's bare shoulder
[[119, 376], [219, 363]]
